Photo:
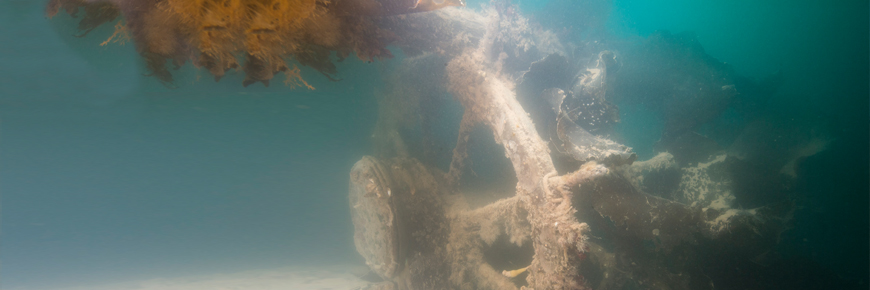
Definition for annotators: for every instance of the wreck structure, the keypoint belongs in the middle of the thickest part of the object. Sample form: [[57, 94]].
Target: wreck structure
[[579, 212]]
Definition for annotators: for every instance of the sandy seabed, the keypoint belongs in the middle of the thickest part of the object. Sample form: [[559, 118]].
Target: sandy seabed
[[339, 277]]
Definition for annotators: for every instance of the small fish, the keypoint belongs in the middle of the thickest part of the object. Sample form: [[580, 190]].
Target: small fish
[[429, 5], [391, 7], [514, 273]]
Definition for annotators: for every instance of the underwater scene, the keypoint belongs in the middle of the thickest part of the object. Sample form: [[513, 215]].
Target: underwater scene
[[434, 144]]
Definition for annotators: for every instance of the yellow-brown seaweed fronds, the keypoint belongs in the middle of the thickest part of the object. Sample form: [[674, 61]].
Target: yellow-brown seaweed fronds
[[120, 36], [257, 36], [294, 78], [96, 13], [71, 7], [213, 27]]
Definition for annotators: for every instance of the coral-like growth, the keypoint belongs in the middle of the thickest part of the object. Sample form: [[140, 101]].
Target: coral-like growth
[[583, 217], [265, 35]]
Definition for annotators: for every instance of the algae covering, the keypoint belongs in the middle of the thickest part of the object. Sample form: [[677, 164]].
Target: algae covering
[[580, 212]]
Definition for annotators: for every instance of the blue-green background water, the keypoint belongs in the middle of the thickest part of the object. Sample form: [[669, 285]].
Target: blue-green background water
[[107, 175]]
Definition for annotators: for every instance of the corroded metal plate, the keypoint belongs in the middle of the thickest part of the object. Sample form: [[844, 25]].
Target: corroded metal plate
[[374, 218]]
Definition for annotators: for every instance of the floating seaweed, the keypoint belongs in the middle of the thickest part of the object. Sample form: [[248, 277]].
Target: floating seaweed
[[264, 35]]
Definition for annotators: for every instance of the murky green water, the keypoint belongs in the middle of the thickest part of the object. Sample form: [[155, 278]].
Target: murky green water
[[107, 175]]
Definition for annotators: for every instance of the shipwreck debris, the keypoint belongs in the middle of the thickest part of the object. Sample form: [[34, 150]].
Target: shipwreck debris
[[580, 202]]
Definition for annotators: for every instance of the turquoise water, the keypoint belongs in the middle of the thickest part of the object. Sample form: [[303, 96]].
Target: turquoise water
[[108, 175], [821, 47]]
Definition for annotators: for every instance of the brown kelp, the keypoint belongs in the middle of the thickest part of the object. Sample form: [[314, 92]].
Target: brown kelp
[[261, 37]]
